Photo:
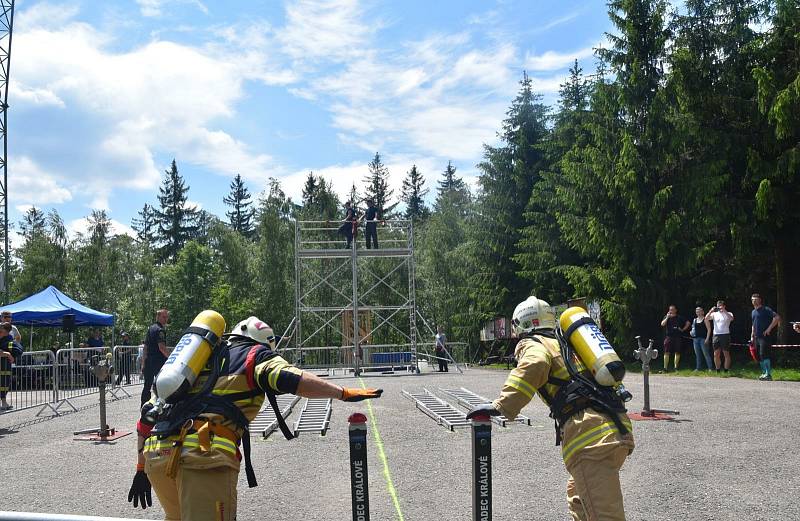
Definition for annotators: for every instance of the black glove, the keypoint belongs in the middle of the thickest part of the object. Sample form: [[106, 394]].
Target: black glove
[[480, 410], [140, 490]]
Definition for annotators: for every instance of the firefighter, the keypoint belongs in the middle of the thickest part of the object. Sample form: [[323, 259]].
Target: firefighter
[[591, 425], [189, 432]]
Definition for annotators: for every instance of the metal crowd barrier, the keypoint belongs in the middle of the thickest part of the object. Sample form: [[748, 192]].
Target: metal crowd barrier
[[49, 380]]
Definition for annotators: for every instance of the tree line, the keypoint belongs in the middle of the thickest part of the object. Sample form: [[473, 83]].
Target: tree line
[[668, 174]]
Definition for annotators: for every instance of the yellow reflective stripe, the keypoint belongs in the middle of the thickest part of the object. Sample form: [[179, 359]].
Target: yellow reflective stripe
[[153, 444], [272, 380], [590, 436], [521, 385]]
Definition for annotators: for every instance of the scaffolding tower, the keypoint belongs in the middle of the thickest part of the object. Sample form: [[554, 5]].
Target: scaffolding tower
[[355, 307]]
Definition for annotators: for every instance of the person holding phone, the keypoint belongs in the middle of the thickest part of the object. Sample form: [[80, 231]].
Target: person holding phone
[[674, 327], [765, 320], [721, 319]]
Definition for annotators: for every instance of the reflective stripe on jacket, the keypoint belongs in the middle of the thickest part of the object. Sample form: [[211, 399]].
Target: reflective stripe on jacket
[[537, 362]]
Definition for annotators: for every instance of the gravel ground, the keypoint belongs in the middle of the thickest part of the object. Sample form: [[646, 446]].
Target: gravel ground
[[730, 456]]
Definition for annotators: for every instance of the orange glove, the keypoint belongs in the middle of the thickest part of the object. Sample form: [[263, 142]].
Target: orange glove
[[350, 394]]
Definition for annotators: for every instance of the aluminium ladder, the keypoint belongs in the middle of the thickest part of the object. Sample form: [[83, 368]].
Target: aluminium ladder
[[266, 422], [441, 411], [315, 416], [468, 400]]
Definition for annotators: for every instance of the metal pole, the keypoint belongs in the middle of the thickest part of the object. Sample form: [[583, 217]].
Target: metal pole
[[8, 14], [482, 468], [103, 432], [356, 333], [646, 376], [359, 480]]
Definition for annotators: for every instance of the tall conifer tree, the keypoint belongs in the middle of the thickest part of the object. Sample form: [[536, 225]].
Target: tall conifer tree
[[241, 214], [177, 222]]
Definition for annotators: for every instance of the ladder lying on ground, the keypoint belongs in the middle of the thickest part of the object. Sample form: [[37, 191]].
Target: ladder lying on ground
[[266, 422], [468, 400], [315, 416], [438, 409]]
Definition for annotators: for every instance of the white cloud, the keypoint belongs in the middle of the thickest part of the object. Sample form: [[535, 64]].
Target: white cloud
[[153, 8], [553, 61], [159, 98], [81, 226], [38, 96], [33, 186]]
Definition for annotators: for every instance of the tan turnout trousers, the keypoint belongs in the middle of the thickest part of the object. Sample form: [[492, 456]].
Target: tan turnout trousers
[[204, 488]]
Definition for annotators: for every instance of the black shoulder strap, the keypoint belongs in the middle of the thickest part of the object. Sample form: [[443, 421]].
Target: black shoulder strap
[[575, 325], [279, 417], [205, 333]]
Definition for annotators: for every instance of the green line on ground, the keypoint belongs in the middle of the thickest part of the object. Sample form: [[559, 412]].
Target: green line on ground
[[386, 474]]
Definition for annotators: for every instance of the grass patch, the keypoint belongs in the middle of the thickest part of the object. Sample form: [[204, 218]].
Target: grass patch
[[748, 372]]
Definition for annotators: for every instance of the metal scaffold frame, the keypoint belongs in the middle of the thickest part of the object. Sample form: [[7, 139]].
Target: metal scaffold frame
[[6, 32], [346, 298]]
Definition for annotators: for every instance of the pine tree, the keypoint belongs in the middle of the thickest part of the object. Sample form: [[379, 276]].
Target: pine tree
[[452, 191], [310, 190], [32, 223], [413, 195], [542, 249], [776, 170], [146, 225], [177, 222], [508, 173], [241, 214], [377, 187]]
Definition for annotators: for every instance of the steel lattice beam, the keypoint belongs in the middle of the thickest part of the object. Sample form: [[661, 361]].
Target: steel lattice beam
[[6, 31]]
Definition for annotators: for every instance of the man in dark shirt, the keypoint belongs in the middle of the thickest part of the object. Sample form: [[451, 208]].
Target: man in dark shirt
[[674, 325], [155, 352], [348, 227], [371, 218], [96, 340], [765, 320]]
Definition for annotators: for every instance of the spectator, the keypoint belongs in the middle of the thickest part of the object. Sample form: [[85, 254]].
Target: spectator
[[701, 339], [371, 216], [765, 320], [441, 350], [95, 340], [6, 316], [6, 359], [123, 363], [348, 227], [674, 326], [155, 352], [721, 318]]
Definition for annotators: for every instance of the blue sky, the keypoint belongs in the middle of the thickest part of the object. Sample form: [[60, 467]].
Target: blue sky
[[104, 94]]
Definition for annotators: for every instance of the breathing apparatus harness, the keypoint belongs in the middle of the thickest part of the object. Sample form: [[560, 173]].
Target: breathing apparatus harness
[[579, 392], [178, 418]]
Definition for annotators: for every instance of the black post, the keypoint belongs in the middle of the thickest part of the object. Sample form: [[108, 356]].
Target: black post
[[359, 481], [482, 468]]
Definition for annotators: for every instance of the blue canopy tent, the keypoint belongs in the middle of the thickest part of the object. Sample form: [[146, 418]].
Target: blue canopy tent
[[48, 307]]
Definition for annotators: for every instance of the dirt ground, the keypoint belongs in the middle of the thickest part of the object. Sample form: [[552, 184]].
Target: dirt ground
[[731, 454]]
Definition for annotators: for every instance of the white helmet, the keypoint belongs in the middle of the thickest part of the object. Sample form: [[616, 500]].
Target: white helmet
[[532, 314], [256, 329]]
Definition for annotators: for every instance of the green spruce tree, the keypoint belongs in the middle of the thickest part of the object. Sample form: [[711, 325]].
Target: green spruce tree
[[177, 222], [241, 214]]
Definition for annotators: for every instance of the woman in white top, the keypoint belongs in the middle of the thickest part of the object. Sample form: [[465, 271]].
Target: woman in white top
[[721, 319]]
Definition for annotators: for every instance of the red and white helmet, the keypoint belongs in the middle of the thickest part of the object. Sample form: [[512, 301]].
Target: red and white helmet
[[256, 329]]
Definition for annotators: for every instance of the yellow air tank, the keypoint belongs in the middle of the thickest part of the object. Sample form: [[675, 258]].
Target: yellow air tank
[[190, 355], [591, 346]]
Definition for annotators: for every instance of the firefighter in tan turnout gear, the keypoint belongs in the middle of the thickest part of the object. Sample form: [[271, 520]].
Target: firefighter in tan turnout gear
[[591, 425], [205, 396]]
